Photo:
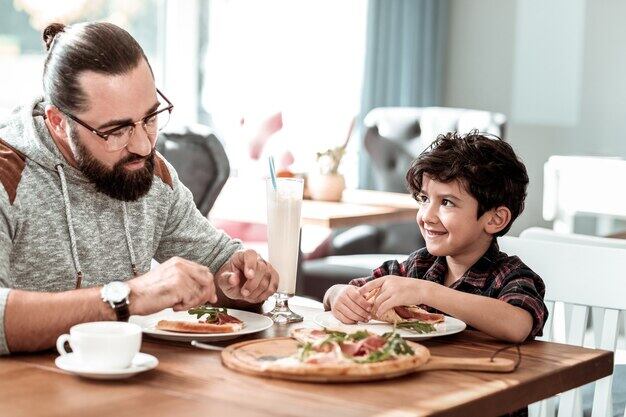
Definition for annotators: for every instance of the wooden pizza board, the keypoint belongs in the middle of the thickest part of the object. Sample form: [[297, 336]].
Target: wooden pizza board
[[256, 357]]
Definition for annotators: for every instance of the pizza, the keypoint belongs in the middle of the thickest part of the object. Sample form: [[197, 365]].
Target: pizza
[[361, 348], [217, 321], [407, 317]]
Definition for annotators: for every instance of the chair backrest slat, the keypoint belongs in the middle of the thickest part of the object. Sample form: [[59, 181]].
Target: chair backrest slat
[[548, 328], [610, 329], [578, 325], [602, 401]]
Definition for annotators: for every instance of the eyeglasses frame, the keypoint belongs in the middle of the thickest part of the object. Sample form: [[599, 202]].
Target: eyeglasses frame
[[105, 135]]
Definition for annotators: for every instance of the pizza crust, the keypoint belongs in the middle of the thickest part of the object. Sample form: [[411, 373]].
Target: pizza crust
[[191, 327], [303, 334]]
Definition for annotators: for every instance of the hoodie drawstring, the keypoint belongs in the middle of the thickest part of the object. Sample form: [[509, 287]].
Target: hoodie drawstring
[[70, 226], [129, 241]]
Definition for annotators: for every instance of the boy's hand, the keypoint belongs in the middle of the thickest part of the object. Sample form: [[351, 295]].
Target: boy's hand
[[396, 291], [350, 306]]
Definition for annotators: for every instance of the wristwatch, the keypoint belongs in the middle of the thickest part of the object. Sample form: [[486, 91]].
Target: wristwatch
[[116, 294]]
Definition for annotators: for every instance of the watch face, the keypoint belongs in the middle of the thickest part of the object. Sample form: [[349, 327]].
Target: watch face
[[115, 291]]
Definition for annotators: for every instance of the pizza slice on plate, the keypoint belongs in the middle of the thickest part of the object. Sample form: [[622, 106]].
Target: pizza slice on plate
[[217, 321], [407, 317]]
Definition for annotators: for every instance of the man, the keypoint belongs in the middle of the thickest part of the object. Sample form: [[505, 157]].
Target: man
[[86, 203]]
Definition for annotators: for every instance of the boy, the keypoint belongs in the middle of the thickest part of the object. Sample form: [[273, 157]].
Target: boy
[[470, 189]]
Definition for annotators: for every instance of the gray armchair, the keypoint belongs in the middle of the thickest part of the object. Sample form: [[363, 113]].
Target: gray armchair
[[393, 137], [200, 161]]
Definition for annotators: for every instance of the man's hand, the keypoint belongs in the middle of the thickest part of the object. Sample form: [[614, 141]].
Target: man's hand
[[397, 291], [248, 277], [349, 306], [176, 283]]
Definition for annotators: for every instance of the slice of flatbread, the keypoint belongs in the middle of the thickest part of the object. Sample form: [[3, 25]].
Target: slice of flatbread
[[198, 327], [400, 314]]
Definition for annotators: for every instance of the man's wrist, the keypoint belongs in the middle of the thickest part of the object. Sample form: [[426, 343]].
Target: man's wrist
[[133, 298], [105, 310]]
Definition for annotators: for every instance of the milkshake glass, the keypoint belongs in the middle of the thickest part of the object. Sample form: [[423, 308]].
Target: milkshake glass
[[284, 206]]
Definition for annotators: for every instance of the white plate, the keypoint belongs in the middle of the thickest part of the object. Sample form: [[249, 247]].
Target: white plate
[[448, 327], [253, 323], [141, 362]]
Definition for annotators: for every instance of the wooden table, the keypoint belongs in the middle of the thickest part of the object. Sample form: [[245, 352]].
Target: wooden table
[[192, 382], [243, 200]]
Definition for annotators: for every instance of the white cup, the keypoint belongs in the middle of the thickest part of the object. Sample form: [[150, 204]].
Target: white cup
[[103, 345]]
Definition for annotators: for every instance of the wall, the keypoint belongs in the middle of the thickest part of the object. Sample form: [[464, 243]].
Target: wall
[[502, 56]]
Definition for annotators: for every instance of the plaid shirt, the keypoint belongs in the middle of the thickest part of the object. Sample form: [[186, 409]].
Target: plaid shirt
[[494, 275]]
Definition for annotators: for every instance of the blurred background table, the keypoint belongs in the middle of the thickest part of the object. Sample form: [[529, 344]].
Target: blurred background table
[[243, 200]]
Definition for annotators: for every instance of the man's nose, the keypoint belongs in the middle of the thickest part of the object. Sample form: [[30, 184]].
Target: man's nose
[[139, 143]]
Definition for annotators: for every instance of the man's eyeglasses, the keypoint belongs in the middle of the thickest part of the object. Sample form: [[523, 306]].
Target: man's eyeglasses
[[118, 137]]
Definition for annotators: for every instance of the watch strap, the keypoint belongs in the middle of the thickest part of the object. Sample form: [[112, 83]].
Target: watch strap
[[122, 312]]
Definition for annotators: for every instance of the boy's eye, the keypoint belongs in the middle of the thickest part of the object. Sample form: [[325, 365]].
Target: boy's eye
[[447, 203], [422, 199]]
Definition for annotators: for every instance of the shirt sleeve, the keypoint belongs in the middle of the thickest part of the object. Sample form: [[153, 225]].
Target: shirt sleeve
[[391, 267], [6, 244], [4, 295], [190, 235], [526, 290]]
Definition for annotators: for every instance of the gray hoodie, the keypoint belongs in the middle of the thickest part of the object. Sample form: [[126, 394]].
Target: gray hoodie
[[57, 232]]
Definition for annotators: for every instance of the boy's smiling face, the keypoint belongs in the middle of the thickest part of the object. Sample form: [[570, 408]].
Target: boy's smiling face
[[448, 222]]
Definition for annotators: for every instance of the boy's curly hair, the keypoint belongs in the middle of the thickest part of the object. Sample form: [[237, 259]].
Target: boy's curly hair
[[484, 164]]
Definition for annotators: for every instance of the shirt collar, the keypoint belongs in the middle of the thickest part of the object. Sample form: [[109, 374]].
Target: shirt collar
[[475, 276]]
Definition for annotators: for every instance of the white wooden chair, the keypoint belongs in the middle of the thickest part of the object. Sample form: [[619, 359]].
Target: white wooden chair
[[581, 276], [574, 185], [540, 233]]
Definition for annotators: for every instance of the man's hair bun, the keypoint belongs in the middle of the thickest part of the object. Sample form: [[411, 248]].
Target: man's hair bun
[[50, 33]]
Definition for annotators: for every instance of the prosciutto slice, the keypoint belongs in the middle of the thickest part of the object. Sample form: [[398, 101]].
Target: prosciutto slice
[[415, 313], [363, 347], [223, 318], [405, 313]]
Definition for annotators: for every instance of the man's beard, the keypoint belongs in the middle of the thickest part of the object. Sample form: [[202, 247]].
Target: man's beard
[[116, 182]]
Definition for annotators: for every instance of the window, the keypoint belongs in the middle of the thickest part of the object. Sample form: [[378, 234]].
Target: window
[[22, 52], [301, 62]]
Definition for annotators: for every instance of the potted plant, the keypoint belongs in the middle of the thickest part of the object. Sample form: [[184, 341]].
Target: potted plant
[[326, 183]]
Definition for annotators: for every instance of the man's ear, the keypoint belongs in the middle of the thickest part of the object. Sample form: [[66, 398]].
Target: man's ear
[[498, 218], [57, 121]]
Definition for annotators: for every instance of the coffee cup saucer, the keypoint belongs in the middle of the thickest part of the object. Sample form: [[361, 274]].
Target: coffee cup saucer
[[141, 362]]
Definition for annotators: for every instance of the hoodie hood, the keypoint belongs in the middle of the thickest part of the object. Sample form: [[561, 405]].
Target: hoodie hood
[[25, 130]]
